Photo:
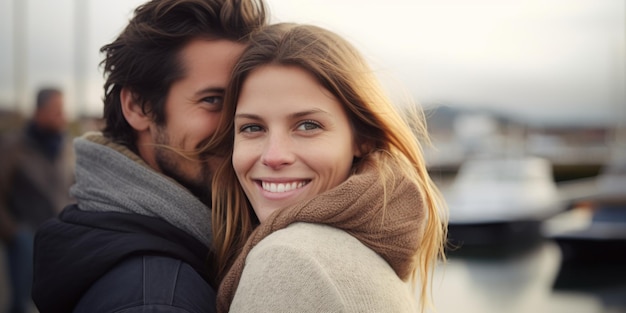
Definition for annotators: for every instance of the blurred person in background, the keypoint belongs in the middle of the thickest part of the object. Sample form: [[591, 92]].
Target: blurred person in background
[[35, 175], [139, 237]]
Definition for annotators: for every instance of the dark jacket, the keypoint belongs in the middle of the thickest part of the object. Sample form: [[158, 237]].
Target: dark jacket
[[34, 179], [108, 261]]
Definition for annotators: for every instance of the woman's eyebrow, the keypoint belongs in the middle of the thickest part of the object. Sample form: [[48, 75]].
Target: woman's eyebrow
[[293, 115]]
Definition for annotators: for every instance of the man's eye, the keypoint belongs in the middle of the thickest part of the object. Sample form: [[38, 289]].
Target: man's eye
[[213, 99]]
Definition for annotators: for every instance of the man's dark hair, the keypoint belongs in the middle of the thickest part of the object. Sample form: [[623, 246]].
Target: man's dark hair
[[44, 95], [145, 57]]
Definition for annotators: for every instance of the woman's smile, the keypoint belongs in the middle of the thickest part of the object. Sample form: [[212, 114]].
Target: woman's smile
[[279, 187]]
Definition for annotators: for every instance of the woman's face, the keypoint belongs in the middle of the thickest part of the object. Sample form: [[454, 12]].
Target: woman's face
[[293, 139]]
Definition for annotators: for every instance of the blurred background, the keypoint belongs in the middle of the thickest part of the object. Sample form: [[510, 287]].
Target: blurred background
[[525, 102]]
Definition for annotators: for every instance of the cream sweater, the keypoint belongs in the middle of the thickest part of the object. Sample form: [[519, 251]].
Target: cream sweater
[[316, 268]]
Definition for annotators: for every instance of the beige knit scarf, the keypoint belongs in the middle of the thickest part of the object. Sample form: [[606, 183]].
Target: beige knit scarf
[[355, 206]]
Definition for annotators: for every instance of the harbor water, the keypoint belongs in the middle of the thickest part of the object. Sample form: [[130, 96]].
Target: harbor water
[[523, 281]]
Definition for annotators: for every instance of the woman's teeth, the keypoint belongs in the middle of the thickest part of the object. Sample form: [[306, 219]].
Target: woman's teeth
[[282, 187]]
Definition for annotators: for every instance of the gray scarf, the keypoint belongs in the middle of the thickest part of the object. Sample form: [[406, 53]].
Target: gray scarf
[[111, 178]]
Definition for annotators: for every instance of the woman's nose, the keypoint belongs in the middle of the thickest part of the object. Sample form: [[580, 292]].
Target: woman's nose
[[278, 152]]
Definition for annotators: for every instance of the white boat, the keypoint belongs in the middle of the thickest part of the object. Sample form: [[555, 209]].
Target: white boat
[[501, 200], [503, 190]]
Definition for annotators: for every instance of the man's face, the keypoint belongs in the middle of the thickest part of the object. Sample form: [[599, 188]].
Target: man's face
[[192, 110]]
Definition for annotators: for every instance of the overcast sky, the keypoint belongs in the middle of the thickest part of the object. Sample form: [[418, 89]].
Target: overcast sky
[[553, 60]]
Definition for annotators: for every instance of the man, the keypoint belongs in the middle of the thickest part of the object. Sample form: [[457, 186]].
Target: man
[[138, 239], [35, 175]]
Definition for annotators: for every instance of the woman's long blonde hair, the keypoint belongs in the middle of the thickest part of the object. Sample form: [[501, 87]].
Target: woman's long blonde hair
[[377, 124]]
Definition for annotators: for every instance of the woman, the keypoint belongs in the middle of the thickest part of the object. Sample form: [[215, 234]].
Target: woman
[[325, 204]]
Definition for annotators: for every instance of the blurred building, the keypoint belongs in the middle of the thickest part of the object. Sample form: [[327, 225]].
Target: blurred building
[[575, 150]]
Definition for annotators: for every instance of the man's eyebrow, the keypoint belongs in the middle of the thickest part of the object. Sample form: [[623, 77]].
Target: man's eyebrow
[[206, 90]]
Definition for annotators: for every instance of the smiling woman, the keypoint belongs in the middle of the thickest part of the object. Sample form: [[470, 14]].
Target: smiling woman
[[284, 124], [324, 203]]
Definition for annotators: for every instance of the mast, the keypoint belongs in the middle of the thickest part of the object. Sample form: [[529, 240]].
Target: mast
[[20, 70], [80, 55]]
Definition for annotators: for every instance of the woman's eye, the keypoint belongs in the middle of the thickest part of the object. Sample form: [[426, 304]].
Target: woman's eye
[[308, 125], [250, 128]]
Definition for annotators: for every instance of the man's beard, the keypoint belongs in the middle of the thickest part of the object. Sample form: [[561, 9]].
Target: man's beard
[[169, 163]]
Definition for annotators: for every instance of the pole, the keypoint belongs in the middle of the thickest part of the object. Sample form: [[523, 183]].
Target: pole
[[20, 70]]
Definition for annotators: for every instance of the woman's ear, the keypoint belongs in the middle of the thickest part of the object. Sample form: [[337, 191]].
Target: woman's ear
[[361, 148], [133, 112]]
